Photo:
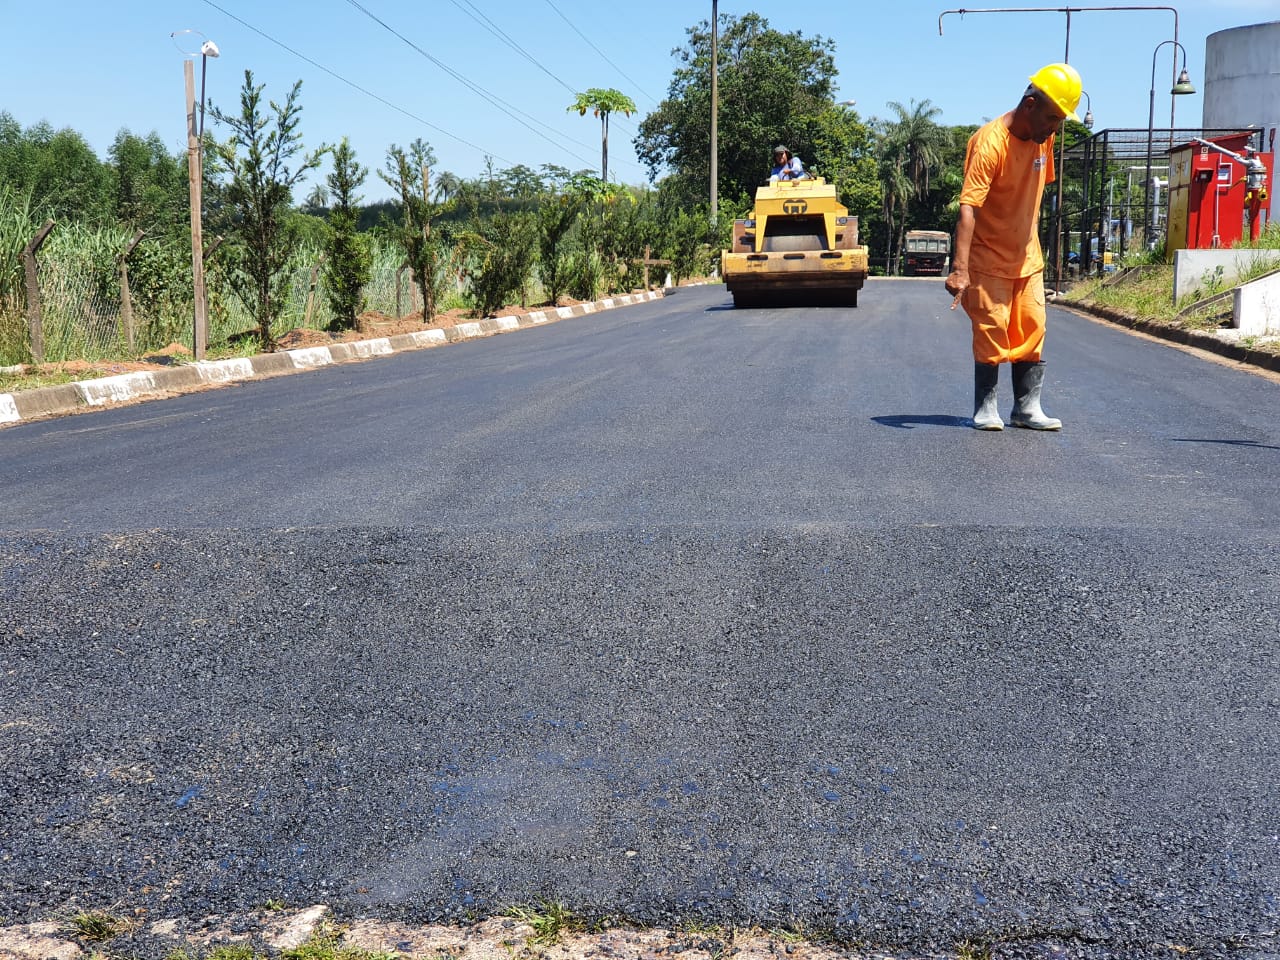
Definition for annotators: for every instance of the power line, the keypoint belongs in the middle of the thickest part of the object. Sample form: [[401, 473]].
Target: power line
[[356, 86], [493, 99], [599, 51], [479, 17]]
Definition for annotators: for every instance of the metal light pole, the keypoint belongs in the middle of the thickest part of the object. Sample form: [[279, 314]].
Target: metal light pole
[[715, 105], [1181, 87]]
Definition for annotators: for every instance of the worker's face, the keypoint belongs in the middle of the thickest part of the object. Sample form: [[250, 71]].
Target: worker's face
[[1043, 118], [781, 158]]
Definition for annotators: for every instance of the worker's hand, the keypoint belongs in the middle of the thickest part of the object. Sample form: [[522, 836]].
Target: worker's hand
[[957, 282]]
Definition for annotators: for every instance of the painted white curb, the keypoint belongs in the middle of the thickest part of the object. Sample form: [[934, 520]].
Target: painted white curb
[[144, 384]]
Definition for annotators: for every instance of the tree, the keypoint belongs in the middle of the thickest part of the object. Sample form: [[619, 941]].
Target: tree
[[348, 263], [500, 254], [150, 183], [913, 149], [259, 196], [556, 216], [771, 85], [409, 173], [602, 103], [57, 170], [843, 152]]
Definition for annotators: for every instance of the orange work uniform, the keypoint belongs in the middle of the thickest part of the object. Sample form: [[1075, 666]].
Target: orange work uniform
[[1004, 180]]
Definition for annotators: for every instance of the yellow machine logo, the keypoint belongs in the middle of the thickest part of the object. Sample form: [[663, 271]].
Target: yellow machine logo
[[794, 207]]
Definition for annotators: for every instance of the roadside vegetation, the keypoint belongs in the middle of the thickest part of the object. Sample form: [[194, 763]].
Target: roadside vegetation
[[1142, 289]]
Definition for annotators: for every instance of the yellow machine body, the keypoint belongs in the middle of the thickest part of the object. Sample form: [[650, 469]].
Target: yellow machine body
[[800, 246]]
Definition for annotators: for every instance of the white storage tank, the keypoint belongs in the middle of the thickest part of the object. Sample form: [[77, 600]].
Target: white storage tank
[[1242, 81]]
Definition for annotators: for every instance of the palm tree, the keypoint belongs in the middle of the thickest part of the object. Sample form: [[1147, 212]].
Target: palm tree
[[912, 149], [895, 193], [447, 186], [602, 103]]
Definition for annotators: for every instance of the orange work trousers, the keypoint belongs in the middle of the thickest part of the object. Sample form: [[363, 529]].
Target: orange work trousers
[[1007, 317]]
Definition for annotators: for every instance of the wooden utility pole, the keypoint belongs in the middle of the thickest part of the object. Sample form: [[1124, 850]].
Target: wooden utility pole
[[195, 183], [35, 325], [715, 107]]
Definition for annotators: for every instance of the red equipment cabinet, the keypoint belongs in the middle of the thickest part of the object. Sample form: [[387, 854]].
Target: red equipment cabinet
[[1215, 198]]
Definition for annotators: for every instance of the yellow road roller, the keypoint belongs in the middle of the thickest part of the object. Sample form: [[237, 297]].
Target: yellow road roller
[[799, 248]]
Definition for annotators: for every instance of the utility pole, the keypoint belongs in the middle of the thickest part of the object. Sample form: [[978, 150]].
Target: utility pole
[[195, 184], [715, 106]]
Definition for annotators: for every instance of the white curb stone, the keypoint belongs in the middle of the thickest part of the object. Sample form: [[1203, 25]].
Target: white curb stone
[[8, 409], [125, 386], [428, 338], [308, 357], [224, 371], [380, 347], [469, 330]]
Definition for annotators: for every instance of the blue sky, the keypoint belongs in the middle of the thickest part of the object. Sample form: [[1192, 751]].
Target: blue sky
[[98, 67]]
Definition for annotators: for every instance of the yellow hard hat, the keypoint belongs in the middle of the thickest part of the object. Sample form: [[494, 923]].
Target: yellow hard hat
[[1060, 83]]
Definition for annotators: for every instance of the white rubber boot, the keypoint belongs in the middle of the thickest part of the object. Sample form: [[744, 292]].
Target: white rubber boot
[[986, 411], [1028, 379]]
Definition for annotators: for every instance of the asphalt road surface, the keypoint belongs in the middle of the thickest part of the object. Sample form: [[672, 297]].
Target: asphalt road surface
[[674, 613]]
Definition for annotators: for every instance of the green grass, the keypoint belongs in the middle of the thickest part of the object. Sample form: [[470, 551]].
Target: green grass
[[550, 921], [1147, 295], [972, 950], [323, 946], [96, 926], [11, 382]]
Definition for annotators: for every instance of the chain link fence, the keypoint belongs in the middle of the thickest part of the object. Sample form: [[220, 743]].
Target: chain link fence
[[91, 311]]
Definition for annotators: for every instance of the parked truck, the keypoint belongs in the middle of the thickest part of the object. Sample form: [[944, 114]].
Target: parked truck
[[925, 253]]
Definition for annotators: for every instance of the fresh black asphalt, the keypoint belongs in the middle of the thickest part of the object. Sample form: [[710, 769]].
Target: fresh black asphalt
[[675, 613]]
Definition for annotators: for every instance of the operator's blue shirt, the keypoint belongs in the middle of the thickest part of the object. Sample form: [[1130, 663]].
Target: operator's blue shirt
[[793, 169]]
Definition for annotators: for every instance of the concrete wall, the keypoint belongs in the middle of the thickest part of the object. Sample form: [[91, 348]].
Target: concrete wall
[[1194, 269], [1256, 307]]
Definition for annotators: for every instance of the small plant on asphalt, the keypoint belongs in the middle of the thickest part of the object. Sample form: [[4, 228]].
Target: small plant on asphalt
[[234, 952], [551, 921], [973, 950], [325, 945], [96, 926]]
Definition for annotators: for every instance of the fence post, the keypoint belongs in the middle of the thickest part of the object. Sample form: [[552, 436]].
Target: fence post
[[399, 279], [35, 327], [126, 303], [311, 292]]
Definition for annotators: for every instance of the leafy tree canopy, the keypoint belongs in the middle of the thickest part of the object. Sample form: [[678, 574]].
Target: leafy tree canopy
[[774, 88]]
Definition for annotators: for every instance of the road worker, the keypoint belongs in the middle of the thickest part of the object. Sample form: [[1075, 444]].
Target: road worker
[[997, 264]]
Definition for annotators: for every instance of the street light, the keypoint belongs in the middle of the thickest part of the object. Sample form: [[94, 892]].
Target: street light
[[1088, 112], [1181, 88]]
